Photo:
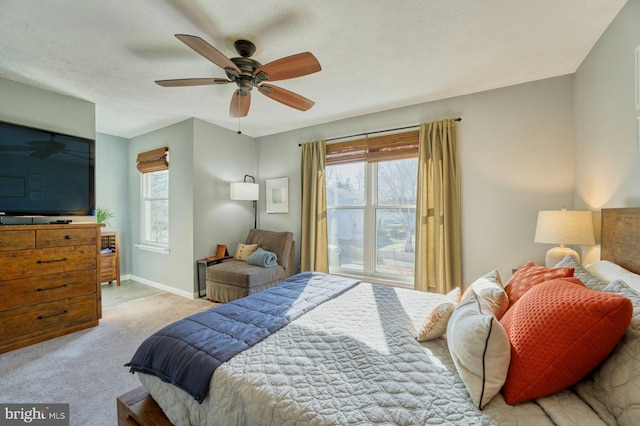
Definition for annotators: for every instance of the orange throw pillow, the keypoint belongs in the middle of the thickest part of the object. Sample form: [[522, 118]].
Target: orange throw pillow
[[559, 332], [530, 275]]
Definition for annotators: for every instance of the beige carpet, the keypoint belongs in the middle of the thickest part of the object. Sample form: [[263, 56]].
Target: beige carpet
[[86, 369]]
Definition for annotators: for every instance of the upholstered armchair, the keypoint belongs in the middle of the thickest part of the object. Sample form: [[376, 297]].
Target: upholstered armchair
[[234, 279]]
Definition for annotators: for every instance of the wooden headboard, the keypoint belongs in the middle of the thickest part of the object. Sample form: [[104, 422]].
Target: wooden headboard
[[620, 241]]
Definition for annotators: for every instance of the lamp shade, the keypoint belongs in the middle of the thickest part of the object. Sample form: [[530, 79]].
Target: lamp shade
[[565, 227], [244, 191]]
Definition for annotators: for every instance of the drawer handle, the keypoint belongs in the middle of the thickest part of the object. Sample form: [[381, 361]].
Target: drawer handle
[[64, 259], [67, 237], [52, 288], [52, 315]]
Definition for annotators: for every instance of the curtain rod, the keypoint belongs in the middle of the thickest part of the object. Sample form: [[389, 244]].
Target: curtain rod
[[378, 131]]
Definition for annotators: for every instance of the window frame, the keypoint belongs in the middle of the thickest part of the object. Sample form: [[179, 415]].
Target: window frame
[[370, 209], [145, 224]]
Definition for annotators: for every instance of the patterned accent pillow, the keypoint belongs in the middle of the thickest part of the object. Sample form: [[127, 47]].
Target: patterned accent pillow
[[490, 293], [479, 347], [530, 275], [435, 323], [244, 251], [613, 389], [559, 332]]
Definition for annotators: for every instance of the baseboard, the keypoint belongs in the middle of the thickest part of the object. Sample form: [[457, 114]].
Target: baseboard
[[164, 287]]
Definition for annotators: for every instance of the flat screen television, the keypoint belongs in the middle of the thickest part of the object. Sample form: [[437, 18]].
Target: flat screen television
[[43, 173]]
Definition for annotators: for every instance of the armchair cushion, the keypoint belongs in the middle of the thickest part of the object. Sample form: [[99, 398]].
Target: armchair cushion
[[279, 243]]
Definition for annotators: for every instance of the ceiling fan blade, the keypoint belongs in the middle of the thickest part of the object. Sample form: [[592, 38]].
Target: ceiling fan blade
[[208, 51], [290, 67], [240, 104], [286, 97], [182, 82]]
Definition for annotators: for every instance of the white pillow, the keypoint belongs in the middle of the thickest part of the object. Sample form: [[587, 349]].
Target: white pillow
[[491, 293], [609, 271], [435, 323], [613, 388], [480, 349]]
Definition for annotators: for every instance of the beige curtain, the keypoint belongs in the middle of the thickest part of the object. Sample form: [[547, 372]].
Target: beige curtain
[[438, 247], [313, 247]]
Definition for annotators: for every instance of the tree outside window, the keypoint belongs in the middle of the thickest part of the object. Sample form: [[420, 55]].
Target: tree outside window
[[371, 218]]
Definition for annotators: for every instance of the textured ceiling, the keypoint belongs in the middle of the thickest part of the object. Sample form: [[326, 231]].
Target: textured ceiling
[[375, 55]]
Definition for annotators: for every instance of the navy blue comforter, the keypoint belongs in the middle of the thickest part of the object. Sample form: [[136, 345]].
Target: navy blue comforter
[[187, 352]]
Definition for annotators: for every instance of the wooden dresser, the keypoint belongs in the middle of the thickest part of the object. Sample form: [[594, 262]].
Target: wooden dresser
[[49, 281]]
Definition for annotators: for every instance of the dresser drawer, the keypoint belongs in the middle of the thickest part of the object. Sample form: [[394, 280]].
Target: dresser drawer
[[107, 274], [53, 260], [108, 261], [64, 237], [47, 317], [35, 290], [17, 240]]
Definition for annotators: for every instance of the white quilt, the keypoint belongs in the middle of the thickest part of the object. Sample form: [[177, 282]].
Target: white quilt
[[352, 361]]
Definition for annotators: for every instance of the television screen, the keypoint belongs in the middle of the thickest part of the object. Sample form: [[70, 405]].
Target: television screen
[[45, 173]]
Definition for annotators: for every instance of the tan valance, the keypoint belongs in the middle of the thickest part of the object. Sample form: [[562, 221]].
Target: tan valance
[[396, 146], [153, 161]]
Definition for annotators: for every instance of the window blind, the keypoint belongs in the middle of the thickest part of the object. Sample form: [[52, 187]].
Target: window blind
[[153, 161], [396, 146]]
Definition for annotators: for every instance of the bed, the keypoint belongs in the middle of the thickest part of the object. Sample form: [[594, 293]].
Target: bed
[[354, 359]]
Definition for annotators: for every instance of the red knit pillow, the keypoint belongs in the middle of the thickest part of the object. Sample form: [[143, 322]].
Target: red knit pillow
[[559, 332], [529, 275]]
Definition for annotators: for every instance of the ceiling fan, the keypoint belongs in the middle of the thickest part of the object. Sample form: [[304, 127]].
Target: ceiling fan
[[248, 73]]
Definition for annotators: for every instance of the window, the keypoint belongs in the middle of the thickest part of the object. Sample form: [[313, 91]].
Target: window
[[155, 208], [371, 208]]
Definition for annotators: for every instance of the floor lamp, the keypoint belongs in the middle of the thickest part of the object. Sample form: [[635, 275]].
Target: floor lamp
[[247, 191]]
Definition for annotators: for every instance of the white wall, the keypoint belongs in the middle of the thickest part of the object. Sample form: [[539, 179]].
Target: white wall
[[42, 109], [607, 138], [112, 183], [220, 157], [171, 271], [516, 157], [203, 160]]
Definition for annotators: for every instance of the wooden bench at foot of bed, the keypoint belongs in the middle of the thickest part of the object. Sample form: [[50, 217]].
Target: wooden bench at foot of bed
[[137, 407]]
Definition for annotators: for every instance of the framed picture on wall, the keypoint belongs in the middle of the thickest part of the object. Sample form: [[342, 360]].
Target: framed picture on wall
[[278, 195]]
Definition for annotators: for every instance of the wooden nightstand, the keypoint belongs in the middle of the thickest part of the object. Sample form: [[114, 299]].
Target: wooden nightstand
[[109, 257]]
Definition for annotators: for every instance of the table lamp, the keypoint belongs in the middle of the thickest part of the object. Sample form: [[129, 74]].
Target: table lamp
[[564, 227]]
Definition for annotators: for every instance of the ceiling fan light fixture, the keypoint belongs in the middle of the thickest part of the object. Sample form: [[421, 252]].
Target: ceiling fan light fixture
[[265, 89], [231, 73], [261, 76]]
